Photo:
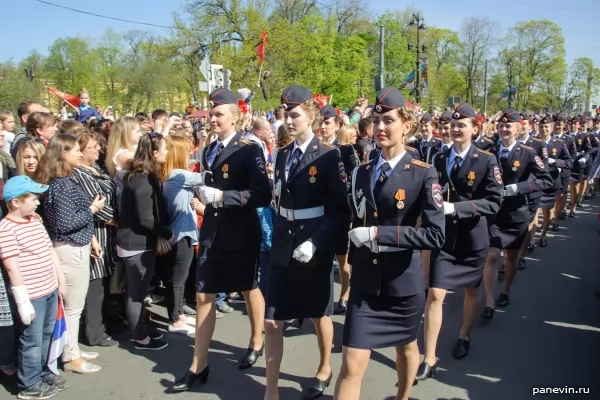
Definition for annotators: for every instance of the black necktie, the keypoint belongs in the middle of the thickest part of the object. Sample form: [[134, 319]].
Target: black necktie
[[295, 162], [455, 168], [218, 153], [385, 167], [505, 153]]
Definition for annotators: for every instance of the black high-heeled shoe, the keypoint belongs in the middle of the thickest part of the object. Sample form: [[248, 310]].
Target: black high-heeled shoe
[[425, 371], [316, 388], [186, 382]]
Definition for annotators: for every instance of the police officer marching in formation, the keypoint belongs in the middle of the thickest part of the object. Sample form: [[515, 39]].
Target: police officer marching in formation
[[231, 233], [444, 129], [313, 213], [580, 170], [565, 175], [429, 145], [534, 198], [558, 159], [508, 228], [387, 297], [472, 184], [331, 123]]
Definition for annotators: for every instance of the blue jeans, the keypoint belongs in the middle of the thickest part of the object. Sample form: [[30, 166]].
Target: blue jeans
[[34, 341], [263, 271], [220, 300]]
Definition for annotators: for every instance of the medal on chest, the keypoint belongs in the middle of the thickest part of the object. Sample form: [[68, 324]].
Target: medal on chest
[[313, 174], [400, 196], [225, 171], [471, 178], [516, 165]]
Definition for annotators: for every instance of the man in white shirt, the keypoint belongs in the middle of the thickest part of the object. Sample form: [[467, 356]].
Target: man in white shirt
[[261, 130], [279, 114]]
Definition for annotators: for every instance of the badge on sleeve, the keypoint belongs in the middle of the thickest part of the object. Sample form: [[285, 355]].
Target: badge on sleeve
[[545, 152], [539, 162], [260, 164], [342, 171], [498, 175], [436, 195]]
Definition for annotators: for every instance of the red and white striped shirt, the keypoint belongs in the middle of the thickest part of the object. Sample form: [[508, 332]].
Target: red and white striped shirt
[[30, 242]]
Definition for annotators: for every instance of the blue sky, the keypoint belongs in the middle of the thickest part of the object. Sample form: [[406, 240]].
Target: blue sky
[[28, 24]]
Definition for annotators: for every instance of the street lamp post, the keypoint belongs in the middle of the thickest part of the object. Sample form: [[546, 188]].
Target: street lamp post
[[417, 21], [510, 65]]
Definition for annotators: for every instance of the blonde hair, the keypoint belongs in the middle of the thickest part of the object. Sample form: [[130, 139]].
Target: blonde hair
[[120, 138], [407, 115], [178, 155], [83, 91], [4, 116], [39, 150], [345, 133], [235, 110], [311, 107]]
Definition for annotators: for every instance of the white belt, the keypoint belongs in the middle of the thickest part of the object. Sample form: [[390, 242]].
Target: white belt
[[305, 213], [387, 249]]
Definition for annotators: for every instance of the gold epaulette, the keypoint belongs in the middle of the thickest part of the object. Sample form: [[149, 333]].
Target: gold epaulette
[[326, 144], [485, 152], [488, 139], [244, 141], [534, 138], [557, 140], [410, 148], [419, 163], [527, 147]]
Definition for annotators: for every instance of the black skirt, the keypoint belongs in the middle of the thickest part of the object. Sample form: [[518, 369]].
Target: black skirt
[[457, 270], [299, 292], [549, 198], [533, 206], [507, 236], [226, 271], [374, 322]]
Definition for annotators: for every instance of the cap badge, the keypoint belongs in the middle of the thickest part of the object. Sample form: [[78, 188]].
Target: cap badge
[[378, 108], [456, 115]]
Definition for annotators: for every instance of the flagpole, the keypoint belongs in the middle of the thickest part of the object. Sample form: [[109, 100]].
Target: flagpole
[[260, 72]]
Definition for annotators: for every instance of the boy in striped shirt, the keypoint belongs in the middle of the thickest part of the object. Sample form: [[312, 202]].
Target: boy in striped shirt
[[36, 280]]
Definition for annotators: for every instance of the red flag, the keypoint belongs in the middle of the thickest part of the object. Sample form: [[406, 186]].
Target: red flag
[[321, 99], [69, 98], [262, 47]]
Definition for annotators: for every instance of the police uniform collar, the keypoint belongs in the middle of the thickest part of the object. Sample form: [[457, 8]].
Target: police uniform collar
[[427, 140], [226, 140], [392, 163], [525, 140], [304, 145], [509, 148], [462, 154]]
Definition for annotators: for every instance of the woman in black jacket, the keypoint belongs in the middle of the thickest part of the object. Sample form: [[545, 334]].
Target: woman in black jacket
[[142, 226]]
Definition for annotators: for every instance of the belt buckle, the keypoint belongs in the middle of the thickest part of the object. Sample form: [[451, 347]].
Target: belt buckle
[[289, 215]]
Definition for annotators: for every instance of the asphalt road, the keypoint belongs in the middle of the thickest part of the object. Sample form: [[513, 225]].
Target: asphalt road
[[546, 338]]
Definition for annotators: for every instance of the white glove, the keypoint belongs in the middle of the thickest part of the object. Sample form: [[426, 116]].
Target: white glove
[[591, 181], [305, 252], [551, 161], [510, 190], [26, 310], [210, 195], [559, 170], [204, 175], [579, 153], [363, 236], [582, 161], [449, 208]]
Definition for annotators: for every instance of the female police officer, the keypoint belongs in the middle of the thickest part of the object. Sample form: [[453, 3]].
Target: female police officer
[[387, 297], [473, 185], [509, 227], [231, 233], [313, 212], [331, 123]]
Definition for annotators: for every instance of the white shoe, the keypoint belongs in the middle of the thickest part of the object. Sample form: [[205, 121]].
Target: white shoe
[[191, 321], [89, 356], [183, 330]]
